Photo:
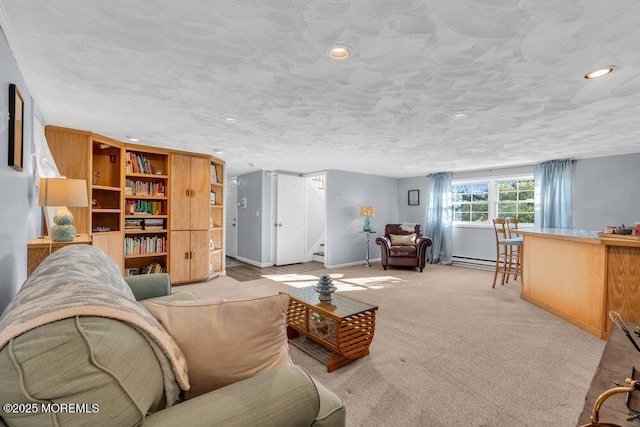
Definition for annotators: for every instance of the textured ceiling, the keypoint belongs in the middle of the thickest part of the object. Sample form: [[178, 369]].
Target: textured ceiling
[[170, 71]]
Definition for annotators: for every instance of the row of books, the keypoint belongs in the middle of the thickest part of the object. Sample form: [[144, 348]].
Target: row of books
[[146, 207], [141, 188], [144, 224], [137, 163], [152, 268], [145, 245]]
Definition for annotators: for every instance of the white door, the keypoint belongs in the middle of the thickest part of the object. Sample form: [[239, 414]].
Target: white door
[[290, 219], [230, 226]]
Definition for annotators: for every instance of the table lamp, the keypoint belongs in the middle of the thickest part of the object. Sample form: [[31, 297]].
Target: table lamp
[[367, 212], [63, 192]]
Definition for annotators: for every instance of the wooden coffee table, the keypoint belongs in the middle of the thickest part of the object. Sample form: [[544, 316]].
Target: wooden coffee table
[[335, 332]]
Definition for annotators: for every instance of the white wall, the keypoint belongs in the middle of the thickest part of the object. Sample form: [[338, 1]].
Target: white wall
[[20, 215], [346, 192]]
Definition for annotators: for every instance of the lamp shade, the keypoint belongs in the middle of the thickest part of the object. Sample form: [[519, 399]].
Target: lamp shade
[[367, 211], [63, 192]]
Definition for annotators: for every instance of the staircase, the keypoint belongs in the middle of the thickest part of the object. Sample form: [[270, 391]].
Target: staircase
[[318, 184], [319, 255]]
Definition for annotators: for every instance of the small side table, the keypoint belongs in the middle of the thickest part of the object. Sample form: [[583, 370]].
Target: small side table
[[40, 248], [368, 233]]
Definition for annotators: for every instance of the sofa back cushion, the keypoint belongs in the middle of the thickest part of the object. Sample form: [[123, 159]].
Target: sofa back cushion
[[104, 367]]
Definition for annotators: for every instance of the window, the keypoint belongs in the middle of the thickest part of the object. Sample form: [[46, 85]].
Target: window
[[471, 202], [476, 202], [515, 199]]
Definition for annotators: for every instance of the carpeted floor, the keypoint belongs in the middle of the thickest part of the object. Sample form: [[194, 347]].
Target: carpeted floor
[[448, 350]]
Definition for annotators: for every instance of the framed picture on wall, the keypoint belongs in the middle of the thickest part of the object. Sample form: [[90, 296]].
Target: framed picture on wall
[[414, 197], [16, 128]]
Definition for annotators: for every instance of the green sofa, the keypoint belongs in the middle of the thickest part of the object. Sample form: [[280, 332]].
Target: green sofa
[[97, 371]]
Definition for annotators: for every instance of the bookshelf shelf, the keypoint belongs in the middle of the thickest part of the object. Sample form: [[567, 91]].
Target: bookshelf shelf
[[106, 188], [106, 211], [155, 254]]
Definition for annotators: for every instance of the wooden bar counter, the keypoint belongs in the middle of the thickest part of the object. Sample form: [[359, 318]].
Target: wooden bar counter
[[580, 276]]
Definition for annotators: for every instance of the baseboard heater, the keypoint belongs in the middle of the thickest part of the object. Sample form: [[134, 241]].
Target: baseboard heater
[[484, 264]]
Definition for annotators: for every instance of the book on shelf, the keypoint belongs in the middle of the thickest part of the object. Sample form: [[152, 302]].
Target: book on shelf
[[145, 245], [141, 188], [133, 224], [137, 163], [153, 224], [152, 268], [146, 207], [214, 174]]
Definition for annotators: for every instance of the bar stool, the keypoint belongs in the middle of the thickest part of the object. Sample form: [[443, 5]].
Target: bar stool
[[506, 258], [515, 249]]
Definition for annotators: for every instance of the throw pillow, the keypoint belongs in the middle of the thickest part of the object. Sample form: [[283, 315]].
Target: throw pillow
[[403, 240], [226, 341]]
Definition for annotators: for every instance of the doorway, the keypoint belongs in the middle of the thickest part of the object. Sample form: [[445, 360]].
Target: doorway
[[231, 218]]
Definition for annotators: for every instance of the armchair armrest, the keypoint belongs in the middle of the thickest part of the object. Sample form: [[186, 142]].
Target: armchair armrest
[[284, 396], [423, 243], [384, 242], [145, 286]]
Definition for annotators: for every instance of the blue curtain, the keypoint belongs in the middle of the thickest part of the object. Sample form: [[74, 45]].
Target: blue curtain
[[553, 194], [439, 219]]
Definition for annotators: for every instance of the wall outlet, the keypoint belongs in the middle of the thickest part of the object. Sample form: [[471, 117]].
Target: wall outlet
[[112, 158]]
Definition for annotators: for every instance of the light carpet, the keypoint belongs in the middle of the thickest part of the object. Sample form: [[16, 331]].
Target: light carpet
[[448, 349]]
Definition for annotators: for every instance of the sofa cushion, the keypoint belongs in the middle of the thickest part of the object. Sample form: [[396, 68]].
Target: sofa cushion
[[82, 360], [226, 341], [403, 240]]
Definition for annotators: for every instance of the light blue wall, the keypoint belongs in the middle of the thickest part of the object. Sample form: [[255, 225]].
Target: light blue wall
[[603, 194], [606, 191], [20, 215], [346, 192], [415, 214], [250, 219]]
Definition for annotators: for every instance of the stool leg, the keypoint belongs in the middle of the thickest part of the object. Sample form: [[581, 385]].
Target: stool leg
[[495, 274]]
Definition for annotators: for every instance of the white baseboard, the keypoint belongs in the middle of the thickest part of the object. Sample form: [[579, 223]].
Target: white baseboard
[[256, 263], [350, 264], [483, 264]]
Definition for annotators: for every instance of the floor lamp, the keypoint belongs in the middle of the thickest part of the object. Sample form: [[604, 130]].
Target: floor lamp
[[63, 192]]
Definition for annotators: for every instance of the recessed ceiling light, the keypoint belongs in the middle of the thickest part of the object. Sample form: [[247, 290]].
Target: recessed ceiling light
[[339, 53], [600, 72], [230, 120], [133, 139], [460, 116]]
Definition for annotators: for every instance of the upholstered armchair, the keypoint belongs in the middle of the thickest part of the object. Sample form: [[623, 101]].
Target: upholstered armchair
[[403, 248]]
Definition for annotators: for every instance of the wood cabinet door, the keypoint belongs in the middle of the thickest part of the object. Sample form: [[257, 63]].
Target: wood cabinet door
[[180, 193], [200, 255], [112, 244], [179, 249], [200, 199]]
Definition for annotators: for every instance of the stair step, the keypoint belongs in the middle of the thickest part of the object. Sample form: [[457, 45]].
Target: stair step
[[319, 253], [322, 245]]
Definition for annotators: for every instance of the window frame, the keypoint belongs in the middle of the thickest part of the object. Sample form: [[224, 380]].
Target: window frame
[[492, 183]]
